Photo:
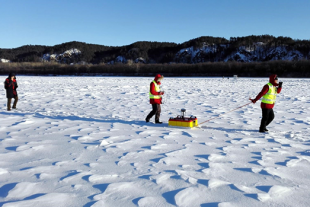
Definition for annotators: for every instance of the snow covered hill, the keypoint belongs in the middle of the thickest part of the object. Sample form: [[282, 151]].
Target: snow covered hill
[[83, 141], [66, 56], [4, 60], [262, 54], [255, 53]]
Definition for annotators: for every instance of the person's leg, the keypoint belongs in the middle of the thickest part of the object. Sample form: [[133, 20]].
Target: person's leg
[[158, 114], [270, 117], [263, 123], [15, 102], [152, 113], [9, 104]]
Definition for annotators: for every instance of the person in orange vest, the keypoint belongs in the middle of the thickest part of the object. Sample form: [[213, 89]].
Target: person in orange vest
[[155, 99], [269, 93], [10, 85]]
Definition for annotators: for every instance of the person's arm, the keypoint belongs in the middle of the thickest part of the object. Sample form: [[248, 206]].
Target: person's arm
[[280, 87], [263, 92], [8, 83]]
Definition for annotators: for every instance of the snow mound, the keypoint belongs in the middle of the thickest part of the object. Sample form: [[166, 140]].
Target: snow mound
[[4, 60], [67, 55]]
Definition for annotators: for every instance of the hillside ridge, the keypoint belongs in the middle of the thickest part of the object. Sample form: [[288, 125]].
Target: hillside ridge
[[252, 48]]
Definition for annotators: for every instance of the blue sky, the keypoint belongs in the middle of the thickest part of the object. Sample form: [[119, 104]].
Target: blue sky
[[122, 22]]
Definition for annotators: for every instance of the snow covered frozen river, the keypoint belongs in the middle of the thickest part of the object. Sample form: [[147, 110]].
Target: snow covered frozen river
[[83, 141]]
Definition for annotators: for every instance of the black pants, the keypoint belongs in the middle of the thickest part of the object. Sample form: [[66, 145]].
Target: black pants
[[156, 111], [267, 118], [10, 101]]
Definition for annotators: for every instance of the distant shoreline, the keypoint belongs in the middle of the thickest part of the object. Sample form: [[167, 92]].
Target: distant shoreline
[[289, 69]]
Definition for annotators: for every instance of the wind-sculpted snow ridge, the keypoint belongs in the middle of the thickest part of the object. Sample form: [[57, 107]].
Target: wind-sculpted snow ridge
[[83, 141]]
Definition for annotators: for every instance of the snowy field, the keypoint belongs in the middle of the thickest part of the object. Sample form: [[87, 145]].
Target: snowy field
[[83, 141]]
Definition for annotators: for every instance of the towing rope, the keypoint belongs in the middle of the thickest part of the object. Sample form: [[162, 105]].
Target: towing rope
[[224, 113]]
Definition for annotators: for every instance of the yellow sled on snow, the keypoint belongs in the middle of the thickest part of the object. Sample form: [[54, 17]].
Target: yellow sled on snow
[[182, 121]]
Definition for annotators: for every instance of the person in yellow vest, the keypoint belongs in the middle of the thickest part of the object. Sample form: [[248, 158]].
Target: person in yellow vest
[[269, 94], [155, 99]]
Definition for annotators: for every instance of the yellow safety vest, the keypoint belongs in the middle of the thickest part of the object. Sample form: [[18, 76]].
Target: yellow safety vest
[[157, 89], [270, 96]]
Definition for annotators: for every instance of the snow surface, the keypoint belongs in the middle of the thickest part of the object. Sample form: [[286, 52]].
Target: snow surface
[[4, 60], [83, 141], [120, 59], [195, 54]]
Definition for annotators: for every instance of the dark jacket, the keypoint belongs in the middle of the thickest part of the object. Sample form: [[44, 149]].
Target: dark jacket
[[10, 87]]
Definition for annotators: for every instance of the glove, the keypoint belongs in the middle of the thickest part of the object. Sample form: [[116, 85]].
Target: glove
[[280, 84], [253, 101], [161, 93]]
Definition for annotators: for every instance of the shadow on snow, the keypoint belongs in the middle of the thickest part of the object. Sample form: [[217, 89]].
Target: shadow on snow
[[77, 118]]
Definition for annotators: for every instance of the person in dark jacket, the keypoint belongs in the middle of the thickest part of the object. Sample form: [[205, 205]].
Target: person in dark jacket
[[155, 99], [269, 93], [10, 84]]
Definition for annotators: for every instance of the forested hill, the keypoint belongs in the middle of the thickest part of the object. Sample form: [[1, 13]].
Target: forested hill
[[203, 49]]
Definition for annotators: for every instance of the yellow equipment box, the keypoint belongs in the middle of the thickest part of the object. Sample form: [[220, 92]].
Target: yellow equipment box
[[182, 121]]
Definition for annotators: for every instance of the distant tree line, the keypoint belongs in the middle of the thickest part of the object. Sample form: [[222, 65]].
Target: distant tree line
[[227, 69], [154, 52]]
